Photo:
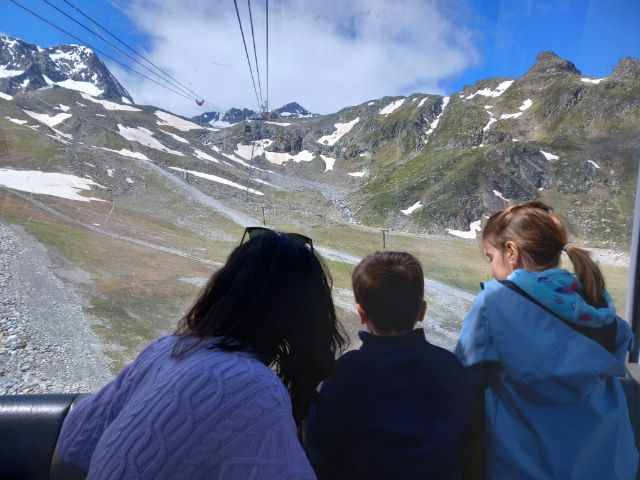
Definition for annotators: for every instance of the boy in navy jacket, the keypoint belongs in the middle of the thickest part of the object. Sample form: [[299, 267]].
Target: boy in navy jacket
[[398, 407]]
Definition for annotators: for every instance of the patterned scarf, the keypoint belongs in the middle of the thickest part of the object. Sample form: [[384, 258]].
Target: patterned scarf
[[559, 291]]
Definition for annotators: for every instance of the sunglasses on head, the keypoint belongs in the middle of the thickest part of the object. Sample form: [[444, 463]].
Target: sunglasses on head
[[253, 232]]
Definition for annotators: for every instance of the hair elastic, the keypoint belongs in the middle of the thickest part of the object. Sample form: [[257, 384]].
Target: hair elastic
[[564, 247]]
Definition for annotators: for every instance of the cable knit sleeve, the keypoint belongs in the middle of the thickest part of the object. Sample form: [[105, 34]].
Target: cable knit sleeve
[[87, 421], [211, 414]]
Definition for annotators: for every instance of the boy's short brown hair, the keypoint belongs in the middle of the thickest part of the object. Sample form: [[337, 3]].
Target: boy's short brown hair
[[389, 286]]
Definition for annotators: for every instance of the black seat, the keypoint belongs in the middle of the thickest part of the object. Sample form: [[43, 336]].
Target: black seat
[[29, 429]]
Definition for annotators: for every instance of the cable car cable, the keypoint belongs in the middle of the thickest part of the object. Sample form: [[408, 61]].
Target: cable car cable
[[255, 52], [235, 2], [267, 52], [98, 50], [120, 50], [137, 53]]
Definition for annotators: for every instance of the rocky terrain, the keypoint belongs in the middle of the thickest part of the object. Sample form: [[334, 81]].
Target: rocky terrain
[[46, 340]]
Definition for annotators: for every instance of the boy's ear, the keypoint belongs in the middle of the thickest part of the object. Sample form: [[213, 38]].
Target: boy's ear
[[364, 320], [423, 310]]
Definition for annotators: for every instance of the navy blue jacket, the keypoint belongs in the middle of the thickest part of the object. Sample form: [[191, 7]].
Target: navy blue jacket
[[398, 407]]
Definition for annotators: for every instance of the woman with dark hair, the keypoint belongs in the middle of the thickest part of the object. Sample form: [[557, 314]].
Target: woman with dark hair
[[203, 402]]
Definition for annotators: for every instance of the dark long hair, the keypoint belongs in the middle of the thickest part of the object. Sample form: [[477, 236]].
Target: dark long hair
[[272, 298]]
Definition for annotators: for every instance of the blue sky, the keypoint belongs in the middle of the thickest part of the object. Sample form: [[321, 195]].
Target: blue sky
[[335, 53]]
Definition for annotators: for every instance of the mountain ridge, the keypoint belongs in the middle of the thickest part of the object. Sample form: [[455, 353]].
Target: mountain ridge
[[26, 67], [422, 162]]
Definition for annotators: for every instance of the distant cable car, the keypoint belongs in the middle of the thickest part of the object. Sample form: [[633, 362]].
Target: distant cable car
[[247, 129], [200, 102]]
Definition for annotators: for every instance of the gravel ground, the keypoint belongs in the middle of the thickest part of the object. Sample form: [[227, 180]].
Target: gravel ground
[[46, 340]]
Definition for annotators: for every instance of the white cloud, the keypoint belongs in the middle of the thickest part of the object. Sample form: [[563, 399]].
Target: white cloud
[[324, 55]]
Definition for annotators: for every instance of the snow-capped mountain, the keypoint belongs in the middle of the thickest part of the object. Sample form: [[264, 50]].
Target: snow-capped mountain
[[24, 67], [293, 110], [235, 115]]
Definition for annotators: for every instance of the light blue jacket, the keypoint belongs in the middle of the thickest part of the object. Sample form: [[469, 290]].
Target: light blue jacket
[[554, 408]]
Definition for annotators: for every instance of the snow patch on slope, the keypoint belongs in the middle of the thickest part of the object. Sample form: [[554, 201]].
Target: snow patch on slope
[[487, 92], [217, 179], [341, 130], [175, 137], [49, 121], [59, 185], [109, 105], [204, 156], [474, 227], [412, 208], [126, 153], [549, 156], [166, 119], [592, 81], [145, 137], [392, 107], [434, 124]]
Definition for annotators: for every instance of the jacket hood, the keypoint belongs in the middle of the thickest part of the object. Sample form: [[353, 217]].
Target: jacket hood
[[559, 291]]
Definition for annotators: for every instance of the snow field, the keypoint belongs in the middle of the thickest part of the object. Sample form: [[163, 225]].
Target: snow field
[[499, 195], [412, 208], [15, 120], [434, 124], [230, 157], [217, 179], [169, 120], [109, 105], [204, 156], [177, 138], [54, 184], [506, 116], [474, 228], [357, 174], [49, 121], [328, 162], [280, 124], [392, 107], [145, 137], [4, 96], [6, 73], [341, 130], [127, 153], [487, 92], [549, 156], [592, 81]]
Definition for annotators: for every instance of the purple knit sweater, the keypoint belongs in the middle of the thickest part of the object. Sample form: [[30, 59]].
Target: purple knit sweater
[[211, 414]]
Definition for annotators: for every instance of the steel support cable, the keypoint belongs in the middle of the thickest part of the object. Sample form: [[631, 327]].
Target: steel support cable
[[235, 2], [97, 49], [95, 22], [267, 9], [255, 52], [120, 50]]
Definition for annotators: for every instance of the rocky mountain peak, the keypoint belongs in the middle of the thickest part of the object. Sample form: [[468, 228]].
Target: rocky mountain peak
[[292, 109], [549, 63], [627, 69], [25, 67]]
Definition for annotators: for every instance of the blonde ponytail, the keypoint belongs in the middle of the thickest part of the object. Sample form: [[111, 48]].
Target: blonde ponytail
[[589, 275]]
